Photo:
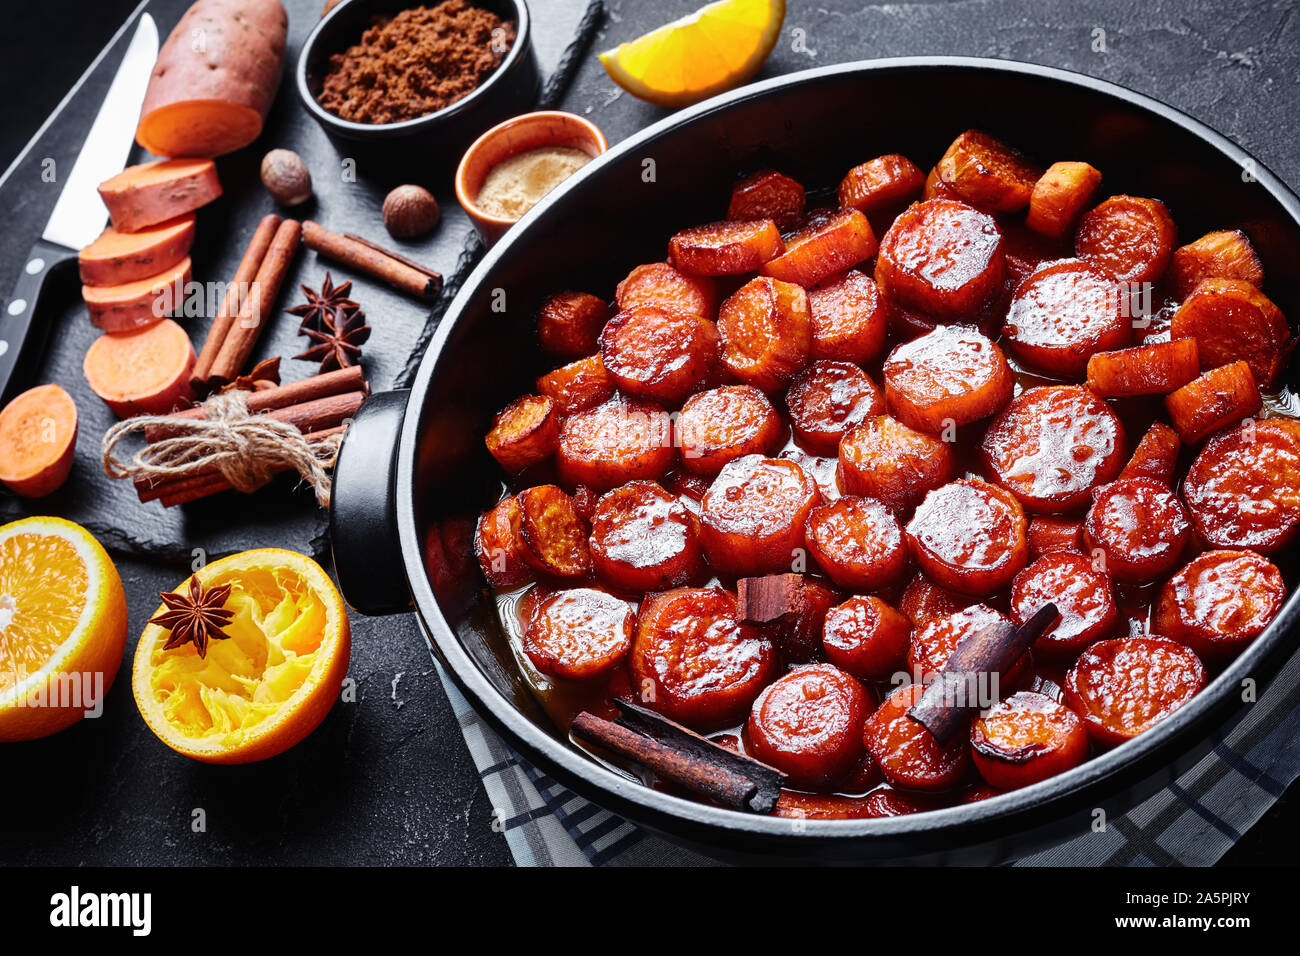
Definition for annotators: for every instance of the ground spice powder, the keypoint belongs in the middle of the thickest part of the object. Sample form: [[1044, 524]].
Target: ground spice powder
[[419, 61], [515, 185]]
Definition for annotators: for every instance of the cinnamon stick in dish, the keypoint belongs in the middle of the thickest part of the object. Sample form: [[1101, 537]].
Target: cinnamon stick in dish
[[373, 261]]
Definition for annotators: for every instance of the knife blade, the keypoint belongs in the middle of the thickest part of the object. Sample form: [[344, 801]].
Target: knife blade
[[79, 214]]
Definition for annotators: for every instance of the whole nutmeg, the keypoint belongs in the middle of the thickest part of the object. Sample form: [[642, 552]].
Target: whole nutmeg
[[410, 211], [285, 177]]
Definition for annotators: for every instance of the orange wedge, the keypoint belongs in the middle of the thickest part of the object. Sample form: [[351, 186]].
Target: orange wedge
[[62, 626], [715, 48], [273, 678]]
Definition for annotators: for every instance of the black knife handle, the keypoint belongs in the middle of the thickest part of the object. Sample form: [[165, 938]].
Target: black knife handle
[[20, 339]]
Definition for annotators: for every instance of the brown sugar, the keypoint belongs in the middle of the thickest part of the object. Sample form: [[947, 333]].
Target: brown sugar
[[421, 60]]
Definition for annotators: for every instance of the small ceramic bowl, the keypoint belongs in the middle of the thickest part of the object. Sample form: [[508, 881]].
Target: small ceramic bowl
[[515, 136]]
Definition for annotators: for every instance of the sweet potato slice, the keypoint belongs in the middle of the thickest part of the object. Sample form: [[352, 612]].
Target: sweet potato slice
[[752, 518], [1027, 738], [1049, 533], [145, 195], [658, 283], [645, 539], [827, 399], [1231, 320], [135, 305], [924, 601], [823, 249], [1220, 602], [1126, 686], [951, 376], [579, 634], [718, 426], [969, 536], [883, 458], [498, 547], [1220, 397], [1226, 254], [119, 257], [1155, 369], [1156, 455], [657, 354], [935, 639], [985, 172], [725, 248], [524, 433], [146, 372], [767, 194], [578, 385], [858, 542], [1082, 594], [1063, 313], [553, 534], [38, 437], [617, 441], [907, 754], [1140, 526], [866, 637], [766, 332], [881, 184], [1128, 237], [1060, 196], [569, 324], [849, 319]]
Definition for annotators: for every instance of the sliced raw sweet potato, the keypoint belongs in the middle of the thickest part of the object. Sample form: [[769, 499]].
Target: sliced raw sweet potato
[[722, 424], [1140, 526], [881, 184], [827, 399], [1155, 369], [1232, 320], [1226, 254], [1048, 533], [951, 376], [119, 257], [658, 283], [211, 98], [617, 441], [1063, 313], [1156, 455], [553, 534], [146, 372], [767, 194], [38, 436], [725, 248], [823, 249], [858, 542], [145, 195], [752, 518], [569, 323], [985, 172], [498, 547], [579, 634], [578, 385], [1220, 397], [658, 354], [943, 258], [135, 305], [766, 332], [849, 319], [1220, 602], [883, 458], [1128, 237], [524, 433], [969, 536], [1060, 197]]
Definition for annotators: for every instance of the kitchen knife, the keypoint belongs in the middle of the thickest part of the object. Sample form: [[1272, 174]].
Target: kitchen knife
[[79, 214]]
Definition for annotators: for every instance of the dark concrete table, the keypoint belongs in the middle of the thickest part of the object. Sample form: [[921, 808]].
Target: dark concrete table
[[387, 779]]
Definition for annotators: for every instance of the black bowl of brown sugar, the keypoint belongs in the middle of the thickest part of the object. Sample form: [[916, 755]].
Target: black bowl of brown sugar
[[401, 85]]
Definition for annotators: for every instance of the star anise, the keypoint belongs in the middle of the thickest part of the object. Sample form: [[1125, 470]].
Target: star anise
[[339, 345], [195, 618], [322, 308], [265, 374]]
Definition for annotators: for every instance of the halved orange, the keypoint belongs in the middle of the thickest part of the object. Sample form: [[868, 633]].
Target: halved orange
[[709, 51], [62, 626], [269, 683]]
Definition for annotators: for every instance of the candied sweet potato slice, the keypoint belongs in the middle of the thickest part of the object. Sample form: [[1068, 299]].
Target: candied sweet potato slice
[[617, 441], [645, 539], [882, 184], [658, 354], [827, 399], [1220, 602], [1155, 369], [1156, 455], [850, 319], [569, 323], [722, 424], [866, 637], [554, 535], [969, 536], [1140, 527], [1226, 254], [1128, 237], [499, 548], [658, 283], [924, 601], [578, 385], [752, 518], [579, 634], [934, 640], [1025, 738], [1060, 196], [725, 248], [1125, 686], [767, 194], [951, 376], [1220, 397], [1082, 594], [1231, 320], [825, 248], [1049, 533], [766, 332], [908, 755], [1063, 313], [524, 432], [858, 542], [883, 458], [986, 172]]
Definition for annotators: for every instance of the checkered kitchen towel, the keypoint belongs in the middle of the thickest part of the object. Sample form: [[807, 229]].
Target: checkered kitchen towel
[[1192, 822]]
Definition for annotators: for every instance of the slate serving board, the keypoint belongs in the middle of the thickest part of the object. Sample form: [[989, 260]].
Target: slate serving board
[[348, 194]]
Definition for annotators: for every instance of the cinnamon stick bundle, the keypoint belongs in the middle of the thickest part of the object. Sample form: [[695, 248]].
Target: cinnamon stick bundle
[[394, 271]]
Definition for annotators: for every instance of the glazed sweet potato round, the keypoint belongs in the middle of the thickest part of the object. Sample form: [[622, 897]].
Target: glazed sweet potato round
[[849, 319], [826, 400], [866, 637], [1082, 594], [1052, 445], [1220, 602], [1063, 313], [579, 634], [986, 172], [1225, 254], [881, 185], [694, 661], [884, 459], [808, 725], [722, 424], [617, 441], [969, 536], [524, 433], [766, 332], [569, 323], [767, 194], [1027, 738], [943, 258], [935, 641], [824, 248], [725, 248], [1140, 526], [498, 547], [858, 542], [949, 377], [644, 539], [1127, 237], [1049, 533], [659, 355], [1231, 320], [658, 283], [752, 518], [1126, 686], [923, 601], [1154, 369], [553, 534], [908, 755], [1156, 455]]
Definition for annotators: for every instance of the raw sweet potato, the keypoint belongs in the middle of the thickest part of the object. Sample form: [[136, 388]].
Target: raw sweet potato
[[987, 173], [1226, 254], [215, 78], [1231, 319], [1222, 396], [1128, 237], [766, 332], [38, 435], [881, 184], [767, 194], [1155, 369], [524, 433], [145, 195], [578, 385], [658, 283], [823, 249], [138, 304], [119, 257], [1060, 196], [1156, 455], [725, 248], [569, 324], [146, 372]]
